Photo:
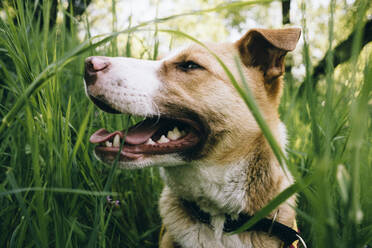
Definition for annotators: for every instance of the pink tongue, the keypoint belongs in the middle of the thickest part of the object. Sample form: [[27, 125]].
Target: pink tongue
[[136, 135], [141, 132]]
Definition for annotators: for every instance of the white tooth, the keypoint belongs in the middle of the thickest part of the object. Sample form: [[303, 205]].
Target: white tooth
[[174, 134], [163, 139], [150, 142], [171, 135], [108, 144], [116, 142]]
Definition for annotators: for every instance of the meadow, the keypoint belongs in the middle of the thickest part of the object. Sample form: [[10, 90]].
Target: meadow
[[54, 193]]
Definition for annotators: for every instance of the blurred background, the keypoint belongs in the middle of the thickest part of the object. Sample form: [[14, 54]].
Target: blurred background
[[54, 193]]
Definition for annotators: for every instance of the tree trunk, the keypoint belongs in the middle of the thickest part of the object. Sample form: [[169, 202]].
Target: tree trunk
[[341, 53], [77, 7], [286, 6]]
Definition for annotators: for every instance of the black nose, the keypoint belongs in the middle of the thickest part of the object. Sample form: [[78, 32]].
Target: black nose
[[94, 65]]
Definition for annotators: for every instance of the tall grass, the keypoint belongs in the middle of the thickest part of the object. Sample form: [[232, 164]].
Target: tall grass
[[54, 193], [45, 149]]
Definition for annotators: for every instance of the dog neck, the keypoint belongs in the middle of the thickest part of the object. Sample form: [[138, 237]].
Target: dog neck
[[241, 187], [245, 186]]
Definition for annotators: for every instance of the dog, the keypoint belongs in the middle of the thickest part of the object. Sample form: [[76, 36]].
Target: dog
[[217, 166]]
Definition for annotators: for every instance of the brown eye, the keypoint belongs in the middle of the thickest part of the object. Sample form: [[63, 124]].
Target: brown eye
[[188, 66]]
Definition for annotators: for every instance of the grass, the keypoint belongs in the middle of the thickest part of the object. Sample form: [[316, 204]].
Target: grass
[[53, 192]]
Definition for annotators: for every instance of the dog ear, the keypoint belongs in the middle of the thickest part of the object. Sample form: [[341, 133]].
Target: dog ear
[[266, 48]]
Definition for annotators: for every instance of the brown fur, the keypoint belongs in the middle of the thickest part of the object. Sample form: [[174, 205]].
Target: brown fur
[[231, 168], [211, 97]]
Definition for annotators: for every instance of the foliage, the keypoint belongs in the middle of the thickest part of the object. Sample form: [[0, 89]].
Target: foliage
[[54, 193]]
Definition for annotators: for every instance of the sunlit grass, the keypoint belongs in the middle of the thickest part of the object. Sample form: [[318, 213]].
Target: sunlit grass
[[53, 191]]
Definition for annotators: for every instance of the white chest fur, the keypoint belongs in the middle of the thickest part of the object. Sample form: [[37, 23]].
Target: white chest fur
[[217, 190]]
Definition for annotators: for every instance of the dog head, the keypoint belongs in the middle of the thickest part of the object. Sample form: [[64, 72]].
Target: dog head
[[193, 111]]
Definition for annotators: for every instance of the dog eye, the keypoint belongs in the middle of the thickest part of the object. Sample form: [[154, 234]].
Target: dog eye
[[188, 65]]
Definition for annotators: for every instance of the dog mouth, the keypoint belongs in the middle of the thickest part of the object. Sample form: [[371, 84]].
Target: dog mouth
[[152, 136]]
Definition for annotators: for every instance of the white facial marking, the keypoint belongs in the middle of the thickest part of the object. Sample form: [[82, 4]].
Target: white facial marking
[[128, 85]]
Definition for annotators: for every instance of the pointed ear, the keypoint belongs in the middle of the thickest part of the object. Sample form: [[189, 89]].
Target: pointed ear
[[266, 48]]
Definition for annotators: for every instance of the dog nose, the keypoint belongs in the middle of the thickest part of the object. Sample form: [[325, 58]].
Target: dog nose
[[96, 63], [92, 66]]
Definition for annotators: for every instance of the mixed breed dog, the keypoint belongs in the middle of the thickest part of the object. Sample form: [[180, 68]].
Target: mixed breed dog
[[217, 166]]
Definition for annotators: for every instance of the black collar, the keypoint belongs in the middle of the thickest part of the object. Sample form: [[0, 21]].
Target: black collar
[[283, 232]]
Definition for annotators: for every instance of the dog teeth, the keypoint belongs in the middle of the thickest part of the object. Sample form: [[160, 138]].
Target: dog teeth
[[163, 139], [108, 144], [116, 142], [150, 142], [174, 134]]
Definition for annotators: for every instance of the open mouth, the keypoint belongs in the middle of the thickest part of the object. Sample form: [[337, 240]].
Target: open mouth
[[154, 136]]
